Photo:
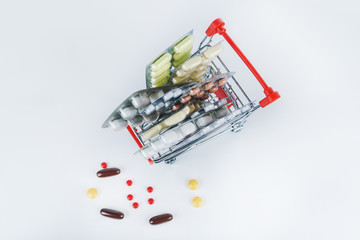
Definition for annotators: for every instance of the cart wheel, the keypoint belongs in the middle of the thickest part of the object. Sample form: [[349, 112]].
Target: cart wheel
[[170, 161]]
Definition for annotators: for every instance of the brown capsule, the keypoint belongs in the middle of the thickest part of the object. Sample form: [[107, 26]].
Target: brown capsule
[[208, 86], [185, 99], [205, 97], [111, 213], [108, 172], [213, 89], [194, 91], [176, 107], [161, 219], [221, 82], [200, 94]]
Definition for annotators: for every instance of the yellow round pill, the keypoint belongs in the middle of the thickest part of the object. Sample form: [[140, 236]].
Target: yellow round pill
[[197, 202], [92, 193], [193, 184]]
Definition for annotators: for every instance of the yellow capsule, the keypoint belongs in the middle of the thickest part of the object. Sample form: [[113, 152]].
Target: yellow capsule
[[92, 193], [193, 184], [197, 202]]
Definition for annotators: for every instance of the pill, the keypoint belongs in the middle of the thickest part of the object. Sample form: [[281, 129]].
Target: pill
[[177, 80], [204, 121], [152, 132], [157, 73], [200, 94], [151, 201], [161, 82], [163, 218], [208, 86], [179, 56], [188, 128], [156, 95], [92, 193], [152, 117], [176, 107], [130, 197], [129, 182], [183, 44], [111, 213], [193, 184], [140, 100], [206, 96], [177, 117], [198, 74], [104, 165], [170, 136], [185, 99], [149, 189], [161, 61], [108, 172], [213, 89], [181, 73], [213, 51], [161, 77], [135, 205], [222, 82], [197, 202], [191, 64], [128, 112], [194, 91], [136, 121], [118, 124]]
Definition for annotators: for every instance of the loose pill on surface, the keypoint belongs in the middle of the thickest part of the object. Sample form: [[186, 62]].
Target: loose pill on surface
[[193, 184], [150, 189], [129, 182], [92, 193], [108, 172], [197, 202], [135, 205], [130, 197], [104, 165], [151, 201], [163, 218], [111, 213]]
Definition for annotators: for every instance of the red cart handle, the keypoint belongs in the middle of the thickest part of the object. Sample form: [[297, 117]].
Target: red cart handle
[[217, 26]]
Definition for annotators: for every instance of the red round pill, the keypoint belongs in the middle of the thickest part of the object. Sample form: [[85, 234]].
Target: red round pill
[[135, 205], [129, 182], [104, 165], [130, 197], [150, 201], [149, 189]]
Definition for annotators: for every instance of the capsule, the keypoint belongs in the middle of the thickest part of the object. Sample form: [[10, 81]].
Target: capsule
[[176, 107], [163, 218], [200, 94], [194, 91], [183, 44], [108, 172], [221, 82], [213, 89], [208, 86], [212, 52], [185, 99], [161, 61], [111, 213], [204, 97], [192, 63]]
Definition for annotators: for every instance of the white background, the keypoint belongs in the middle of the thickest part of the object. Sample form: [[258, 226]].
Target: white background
[[292, 173]]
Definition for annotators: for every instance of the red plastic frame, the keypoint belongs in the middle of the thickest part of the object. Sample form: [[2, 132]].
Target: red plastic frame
[[217, 26]]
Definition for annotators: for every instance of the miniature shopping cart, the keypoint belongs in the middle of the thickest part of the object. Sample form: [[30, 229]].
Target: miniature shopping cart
[[238, 101]]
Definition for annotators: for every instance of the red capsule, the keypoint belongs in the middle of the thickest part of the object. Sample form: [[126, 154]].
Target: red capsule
[[149, 189], [130, 197], [194, 91], [221, 82], [135, 205], [176, 107], [200, 94], [104, 165], [185, 99], [151, 201], [129, 182]]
